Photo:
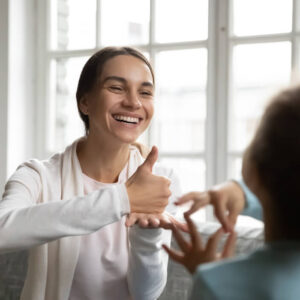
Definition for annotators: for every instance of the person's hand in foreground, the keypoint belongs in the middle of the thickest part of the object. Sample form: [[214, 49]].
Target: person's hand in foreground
[[164, 220], [194, 252], [148, 193], [227, 199]]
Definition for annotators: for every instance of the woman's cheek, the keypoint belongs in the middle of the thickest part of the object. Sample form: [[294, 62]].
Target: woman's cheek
[[150, 109]]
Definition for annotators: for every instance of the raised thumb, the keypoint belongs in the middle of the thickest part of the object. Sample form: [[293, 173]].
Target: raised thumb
[[151, 159]]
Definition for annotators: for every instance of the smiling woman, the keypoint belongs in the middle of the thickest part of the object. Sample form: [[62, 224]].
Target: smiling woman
[[71, 209], [122, 95]]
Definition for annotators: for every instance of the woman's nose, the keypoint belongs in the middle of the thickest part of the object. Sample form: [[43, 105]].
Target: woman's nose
[[132, 100]]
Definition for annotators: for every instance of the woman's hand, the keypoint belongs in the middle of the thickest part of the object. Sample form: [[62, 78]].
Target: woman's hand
[[164, 220], [194, 252], [148, 193], [227, 199]]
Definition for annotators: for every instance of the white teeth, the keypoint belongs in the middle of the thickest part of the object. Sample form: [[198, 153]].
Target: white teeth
[[126, 119]]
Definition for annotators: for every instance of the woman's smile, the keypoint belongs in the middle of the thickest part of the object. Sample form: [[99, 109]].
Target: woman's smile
[[129, 119]]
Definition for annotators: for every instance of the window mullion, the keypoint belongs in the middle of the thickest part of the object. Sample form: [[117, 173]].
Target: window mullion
[[295, 64], [210, 132], [98, 25], [71, 53], [270, 38], [4, 40], [150, 135], [223, 88], [42, 79]]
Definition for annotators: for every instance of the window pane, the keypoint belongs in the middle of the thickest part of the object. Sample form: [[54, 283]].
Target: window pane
[[73, 24], [180, 100], [235, 167], [181, 20], [65, 124], [125, 22], [258, 71], [258, 17], [191, 173]]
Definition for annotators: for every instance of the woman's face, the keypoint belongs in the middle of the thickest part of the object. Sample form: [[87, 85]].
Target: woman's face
[[121, 104]]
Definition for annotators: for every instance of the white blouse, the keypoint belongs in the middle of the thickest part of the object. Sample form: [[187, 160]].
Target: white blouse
[[101, 271]]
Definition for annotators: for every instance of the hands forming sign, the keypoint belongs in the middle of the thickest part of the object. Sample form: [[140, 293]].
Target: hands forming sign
[[194, 252], [227, 199]]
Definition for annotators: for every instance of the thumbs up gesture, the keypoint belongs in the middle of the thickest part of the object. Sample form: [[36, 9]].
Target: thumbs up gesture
[[148, 193]]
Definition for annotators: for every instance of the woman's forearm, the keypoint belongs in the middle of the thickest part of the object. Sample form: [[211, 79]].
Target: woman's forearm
[[25, 224], [147, 273]]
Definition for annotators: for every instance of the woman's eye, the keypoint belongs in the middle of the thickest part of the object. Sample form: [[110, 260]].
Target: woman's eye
[[116, 88], [146, 93]]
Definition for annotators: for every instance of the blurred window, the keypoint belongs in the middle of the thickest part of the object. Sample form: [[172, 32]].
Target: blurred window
[[216, 64]]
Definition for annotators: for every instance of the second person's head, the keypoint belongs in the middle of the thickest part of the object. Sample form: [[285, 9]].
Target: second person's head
[[271, 164]]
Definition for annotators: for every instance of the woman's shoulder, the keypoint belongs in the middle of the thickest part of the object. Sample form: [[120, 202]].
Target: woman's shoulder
[[53, 162]]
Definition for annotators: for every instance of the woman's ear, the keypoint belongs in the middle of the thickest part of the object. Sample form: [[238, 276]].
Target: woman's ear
[[83, 105]]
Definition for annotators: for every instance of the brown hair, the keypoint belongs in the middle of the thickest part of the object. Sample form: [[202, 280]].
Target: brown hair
[[275, 153], [93, 68]]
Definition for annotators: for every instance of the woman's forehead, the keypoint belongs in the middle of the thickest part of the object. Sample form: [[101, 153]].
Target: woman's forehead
[[127, 66]]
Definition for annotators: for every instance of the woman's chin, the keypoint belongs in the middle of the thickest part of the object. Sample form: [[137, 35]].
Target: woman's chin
[[127, 139]]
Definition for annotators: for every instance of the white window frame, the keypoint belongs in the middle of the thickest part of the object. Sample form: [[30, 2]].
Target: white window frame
[[232, 41]]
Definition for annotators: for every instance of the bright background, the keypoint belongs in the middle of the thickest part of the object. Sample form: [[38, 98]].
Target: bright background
[[217, 63]]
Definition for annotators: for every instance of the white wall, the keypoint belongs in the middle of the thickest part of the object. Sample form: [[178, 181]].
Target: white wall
[[18, 76], [3, 89]]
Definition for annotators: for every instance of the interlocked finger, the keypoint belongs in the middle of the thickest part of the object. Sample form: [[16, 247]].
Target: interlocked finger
[[175, 255], [182, 243], [195, 236], [213, 242], [229, 247]]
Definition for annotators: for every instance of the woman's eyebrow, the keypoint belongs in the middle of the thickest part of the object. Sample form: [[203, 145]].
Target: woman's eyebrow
[[117, 78], [123, 80], [147, 83]]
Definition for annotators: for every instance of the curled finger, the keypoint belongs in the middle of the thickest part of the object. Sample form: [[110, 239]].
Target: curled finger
[[229, 247], [182, 243], [212, 243], [175, 255], [153, 221], [195, 236], [143, 221], [131, 220]]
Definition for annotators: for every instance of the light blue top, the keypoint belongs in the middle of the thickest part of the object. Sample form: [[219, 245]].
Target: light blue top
[[270, 273], [273, 272], [253, 207]]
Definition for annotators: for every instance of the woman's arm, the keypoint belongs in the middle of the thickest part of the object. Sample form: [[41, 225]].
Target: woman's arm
[[252, 205], [25, 223], [147, 273]]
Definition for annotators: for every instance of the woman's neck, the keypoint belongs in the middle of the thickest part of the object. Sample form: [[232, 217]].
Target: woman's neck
[[102, 161]]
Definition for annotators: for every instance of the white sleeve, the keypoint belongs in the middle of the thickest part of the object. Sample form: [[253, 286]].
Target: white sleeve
[[148, 262], [25, 223]]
